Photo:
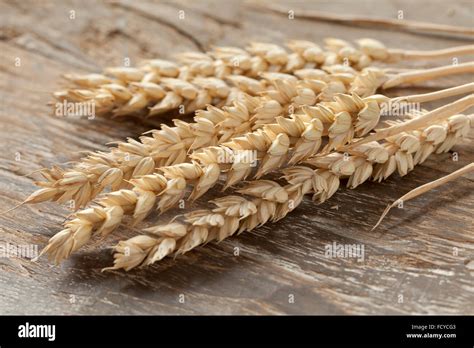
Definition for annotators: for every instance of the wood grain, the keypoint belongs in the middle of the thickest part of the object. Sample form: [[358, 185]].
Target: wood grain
[[424, 252]]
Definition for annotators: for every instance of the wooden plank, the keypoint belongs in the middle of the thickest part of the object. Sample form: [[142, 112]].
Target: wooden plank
[[420, 260]]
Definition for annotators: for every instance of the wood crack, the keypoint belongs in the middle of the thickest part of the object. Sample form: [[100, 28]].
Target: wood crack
[[160, 20], [219, 20]]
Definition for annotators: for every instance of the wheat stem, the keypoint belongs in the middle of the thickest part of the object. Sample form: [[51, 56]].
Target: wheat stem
[[398, 54], [405, 24], [428, 74], [445, 93], [425, 188]]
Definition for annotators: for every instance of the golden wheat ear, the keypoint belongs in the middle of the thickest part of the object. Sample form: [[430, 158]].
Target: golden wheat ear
[[158, 86]]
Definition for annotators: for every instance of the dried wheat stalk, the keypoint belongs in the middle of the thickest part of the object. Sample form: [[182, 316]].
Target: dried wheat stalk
[[272, 201], [373, 22], [425, 188], [160, 86], [341, 120], [212, 126]]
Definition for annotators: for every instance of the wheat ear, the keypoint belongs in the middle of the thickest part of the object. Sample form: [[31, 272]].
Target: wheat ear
[[341, 120], [213, 126], [171, 145], [272, 201], [159, 86]]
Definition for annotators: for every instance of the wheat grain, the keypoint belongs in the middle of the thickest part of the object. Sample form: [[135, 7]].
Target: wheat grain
[[272, 144], [272, 201]]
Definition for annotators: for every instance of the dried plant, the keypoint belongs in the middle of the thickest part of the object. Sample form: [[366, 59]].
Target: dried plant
[[212, 126], [374, 22], [425, 188], [159, 86], [171, 145], [341, 120], [271, 201]]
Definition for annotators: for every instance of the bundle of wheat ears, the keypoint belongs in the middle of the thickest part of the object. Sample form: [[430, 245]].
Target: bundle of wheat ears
[[306, 114]]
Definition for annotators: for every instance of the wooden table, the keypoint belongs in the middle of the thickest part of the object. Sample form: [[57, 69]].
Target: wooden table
[[421, 260]]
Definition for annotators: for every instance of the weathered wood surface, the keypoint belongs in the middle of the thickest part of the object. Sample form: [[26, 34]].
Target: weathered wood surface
[[424, 252]]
